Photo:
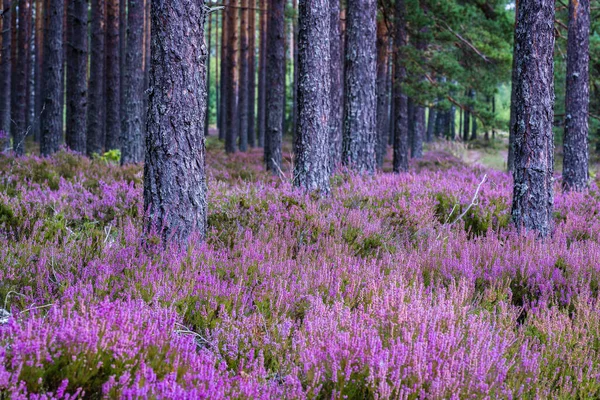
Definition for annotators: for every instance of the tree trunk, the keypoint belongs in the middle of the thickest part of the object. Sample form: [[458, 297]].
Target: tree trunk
[[174, 171], [19, 106], [275, 78], [96, 99], [5, 75], [251, 74], [311, 170], [382, 90], [132, 141], [208, 75], [113, 73], [122, 52], [77, 68], [337, 85], [39, 57], [243, 81], [533, 195], [360, 110], [431, 118], [51, 122], [400, 100], [223, 77], [231, 117], [419, 131], [474, 120], [467, 124], [575, 165], [410, 111], [262, 70]]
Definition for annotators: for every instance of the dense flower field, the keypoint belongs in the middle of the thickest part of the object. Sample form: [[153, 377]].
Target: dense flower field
[[379, 291]]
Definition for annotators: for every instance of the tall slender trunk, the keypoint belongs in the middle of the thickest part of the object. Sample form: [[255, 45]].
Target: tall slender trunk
[[533, 195], [174, 171], [311, 170], [113, 73], [575, 165], [231, 120], [77, 69], [19, 106], [337, 85], [410, 111], [474, 120], [217, 73], [224, 74], [360, 110], [252, 74], [382, 90], [400, 100], [132, 141], [262, 71], [243, 81], [208, 74], [467, 122], [96, 99], [418, 131], [431, 118], [275, 78], [51, 122], [122, 52], [5, 75], [39, 56]]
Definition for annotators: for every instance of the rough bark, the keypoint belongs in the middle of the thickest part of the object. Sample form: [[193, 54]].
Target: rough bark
[[19, 105], [77, 68], [360, 109], [382, 90], [311, 170], [275, 91], [223, 76], [262, 70], [96, 99], [174, 171], [576, 153], [122, 51], [132, 140], [231, 118], [51, 121], [533, 195], [243, 81], [337, 85], [252, 74], [5, 74], [113, 73], [39, 57], [400, 100]]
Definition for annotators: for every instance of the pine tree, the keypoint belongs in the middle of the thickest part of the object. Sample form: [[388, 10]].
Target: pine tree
[[5, 73], [262, 70], [337, 85], [251, 74], [96, 99], [311, 170], [113, 76], [576, 160], [243, 81], [19, 72], [231, 120], [533, 195], [400, 99], [382, 89], [174, 171]]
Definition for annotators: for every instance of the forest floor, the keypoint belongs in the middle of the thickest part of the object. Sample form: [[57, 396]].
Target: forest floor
[[408, 285]]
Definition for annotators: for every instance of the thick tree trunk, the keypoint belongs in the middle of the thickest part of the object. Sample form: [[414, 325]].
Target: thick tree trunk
[[251, 73], [231, 117], [533, 195], [51, 122], [243, 82], [19, 105], [113, 73], [96, 99], [275, 79], [262, 71], [311, 170], [360, 110], [382, 90], [5, 75], [337, 85], [77, 68], [174, 172], [575, 164], [132, 141], [400, 100]]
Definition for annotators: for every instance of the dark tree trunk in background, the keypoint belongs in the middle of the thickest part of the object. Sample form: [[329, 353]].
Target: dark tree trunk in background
[[311, 170], [575, 164], [360, 109], [51, 122], [223, 77], [466, 124], [337, 85], [5, 74], [275, 81], [243, 82], [452, 123], [410, 111], [208, 75], [113, 74], [39, 57], [419, 131], [474, 120], [122, 51], [252, 73], [431, 123], [19, 105], [262, 61], [231, 117], [132, 141], [96, 99], [382, 90], [77, 68], [510, 162], [533, 195], [400, 100], [14, 65], [174, 172]]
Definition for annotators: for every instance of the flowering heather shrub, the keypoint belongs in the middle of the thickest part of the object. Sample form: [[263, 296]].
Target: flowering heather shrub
[[379, 291]]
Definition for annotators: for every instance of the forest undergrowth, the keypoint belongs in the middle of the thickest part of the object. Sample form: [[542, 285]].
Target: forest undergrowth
[[395, 286]]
